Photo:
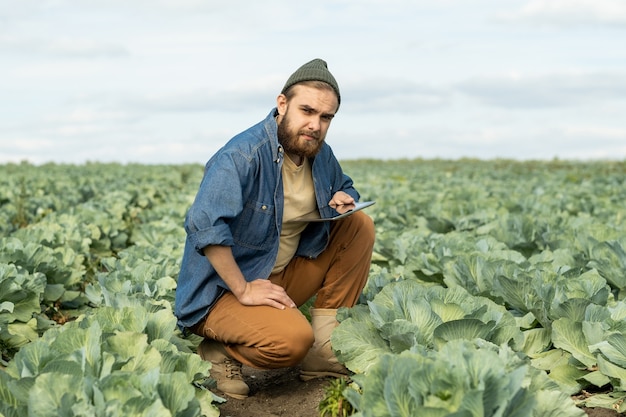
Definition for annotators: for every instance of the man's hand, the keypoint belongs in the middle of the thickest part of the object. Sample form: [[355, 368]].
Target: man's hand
[[341, 202], [264, 292], [257, 292]]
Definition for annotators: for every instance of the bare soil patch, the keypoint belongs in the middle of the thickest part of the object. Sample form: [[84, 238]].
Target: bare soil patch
[[276, 393], [602, 412]]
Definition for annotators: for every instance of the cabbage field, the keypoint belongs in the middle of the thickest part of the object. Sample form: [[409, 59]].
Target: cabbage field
[[497, 288]]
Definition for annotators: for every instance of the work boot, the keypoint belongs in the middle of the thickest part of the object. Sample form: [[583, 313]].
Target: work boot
[[320, 361], [225, 370]]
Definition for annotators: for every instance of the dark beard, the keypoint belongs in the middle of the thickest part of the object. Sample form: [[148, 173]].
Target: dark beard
[[291, 144]]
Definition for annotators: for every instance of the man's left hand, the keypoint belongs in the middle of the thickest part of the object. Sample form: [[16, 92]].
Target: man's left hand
[[342, 202]]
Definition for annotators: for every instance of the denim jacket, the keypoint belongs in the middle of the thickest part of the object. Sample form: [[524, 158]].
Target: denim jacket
[[240, 204]]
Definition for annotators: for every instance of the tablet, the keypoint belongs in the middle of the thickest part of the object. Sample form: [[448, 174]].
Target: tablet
[[314, 215]]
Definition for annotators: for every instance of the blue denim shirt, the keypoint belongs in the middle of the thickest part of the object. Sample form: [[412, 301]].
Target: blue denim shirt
[[240, 204]]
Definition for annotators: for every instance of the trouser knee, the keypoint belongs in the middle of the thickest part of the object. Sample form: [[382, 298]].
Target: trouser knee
[[367, 228], [285, 349]]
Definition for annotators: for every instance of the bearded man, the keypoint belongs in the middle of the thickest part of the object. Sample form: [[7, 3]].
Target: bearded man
[[249, 263]]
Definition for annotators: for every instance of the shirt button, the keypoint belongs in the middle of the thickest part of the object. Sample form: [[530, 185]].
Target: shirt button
[[263, 207]]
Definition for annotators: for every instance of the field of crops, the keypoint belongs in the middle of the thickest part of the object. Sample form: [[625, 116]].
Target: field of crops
[[497, 289]]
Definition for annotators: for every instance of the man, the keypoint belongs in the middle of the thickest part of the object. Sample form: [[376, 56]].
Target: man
[[248, 265]]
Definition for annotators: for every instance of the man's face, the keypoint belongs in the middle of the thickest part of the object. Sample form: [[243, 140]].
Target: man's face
[[304, 120]]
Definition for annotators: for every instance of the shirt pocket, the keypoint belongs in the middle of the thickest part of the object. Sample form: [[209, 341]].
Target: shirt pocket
[[255, 226]]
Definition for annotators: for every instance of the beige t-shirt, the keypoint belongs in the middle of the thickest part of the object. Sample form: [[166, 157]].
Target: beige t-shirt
[[299, 200]]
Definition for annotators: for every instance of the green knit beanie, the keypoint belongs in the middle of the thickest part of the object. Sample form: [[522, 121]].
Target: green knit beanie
[[315, 70]]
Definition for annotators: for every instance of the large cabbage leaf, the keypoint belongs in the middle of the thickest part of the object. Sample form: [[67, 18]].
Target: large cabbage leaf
[[609, 258], [464, 378], [106, 361], [407, 313]]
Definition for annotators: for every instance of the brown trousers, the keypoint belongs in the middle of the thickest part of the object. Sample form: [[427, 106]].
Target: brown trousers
[[266, 337]]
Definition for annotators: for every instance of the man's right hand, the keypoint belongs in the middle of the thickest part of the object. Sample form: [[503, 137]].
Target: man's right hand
[[255, 293], [264, 292]]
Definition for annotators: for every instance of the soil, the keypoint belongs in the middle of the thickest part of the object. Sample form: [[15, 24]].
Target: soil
[[281, 393], [276, 393], [602, 412]]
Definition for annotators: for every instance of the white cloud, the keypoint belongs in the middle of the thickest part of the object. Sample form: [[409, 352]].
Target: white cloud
[[85, 123], [392, 95], [572, 12], [200, 100], [564, 89], [176, 79], [61, 47]]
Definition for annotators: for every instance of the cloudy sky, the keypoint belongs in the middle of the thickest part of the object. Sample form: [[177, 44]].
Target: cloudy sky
[[169, 81]]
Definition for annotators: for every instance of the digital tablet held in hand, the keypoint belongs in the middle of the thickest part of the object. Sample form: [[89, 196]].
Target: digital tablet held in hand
[[339, 214]]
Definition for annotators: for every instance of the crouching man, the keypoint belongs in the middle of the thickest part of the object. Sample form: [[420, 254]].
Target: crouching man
[[248, 264]]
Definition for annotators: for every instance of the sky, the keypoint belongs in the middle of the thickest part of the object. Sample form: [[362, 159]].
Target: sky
[[170, 81]]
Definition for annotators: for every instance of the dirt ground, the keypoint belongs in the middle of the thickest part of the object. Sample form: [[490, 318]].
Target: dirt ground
[[276, 393], [602, 412], [280, 393]]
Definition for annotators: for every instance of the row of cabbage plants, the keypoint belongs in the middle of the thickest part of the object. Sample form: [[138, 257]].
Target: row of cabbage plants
[[88, 265], [497, 288]]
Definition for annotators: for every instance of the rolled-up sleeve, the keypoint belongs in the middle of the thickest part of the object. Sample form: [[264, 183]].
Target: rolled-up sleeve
[[218, 200], [218, 235]]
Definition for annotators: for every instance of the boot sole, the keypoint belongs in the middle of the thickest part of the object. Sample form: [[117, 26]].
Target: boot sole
[[235, 396], [307, 376]]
